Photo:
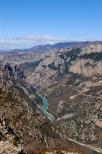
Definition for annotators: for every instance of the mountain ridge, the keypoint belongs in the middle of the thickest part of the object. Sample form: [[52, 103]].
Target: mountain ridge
[[44, 48]]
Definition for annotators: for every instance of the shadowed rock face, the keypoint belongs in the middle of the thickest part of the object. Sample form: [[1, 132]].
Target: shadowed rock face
[[93, 56]]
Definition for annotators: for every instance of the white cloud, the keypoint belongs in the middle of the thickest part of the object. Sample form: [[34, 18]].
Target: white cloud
[[39, 39]]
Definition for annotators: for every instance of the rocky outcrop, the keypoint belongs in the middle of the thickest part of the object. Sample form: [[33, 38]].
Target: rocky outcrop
[[87, 67], [9, 141], [92, 48]]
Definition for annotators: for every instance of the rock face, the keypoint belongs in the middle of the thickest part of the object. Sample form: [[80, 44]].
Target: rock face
[[93, 48], [63, 61], [54, 64], [9, 141], [7, 147]]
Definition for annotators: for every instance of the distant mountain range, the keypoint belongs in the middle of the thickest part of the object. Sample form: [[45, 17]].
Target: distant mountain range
[[41, 49]]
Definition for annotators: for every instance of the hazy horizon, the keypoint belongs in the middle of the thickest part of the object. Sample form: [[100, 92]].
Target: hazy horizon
[[26, 23]]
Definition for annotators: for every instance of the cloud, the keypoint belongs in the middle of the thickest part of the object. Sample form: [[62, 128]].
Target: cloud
[[28, 41], [44, 38]]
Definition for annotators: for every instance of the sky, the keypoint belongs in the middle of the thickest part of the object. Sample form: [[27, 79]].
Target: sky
[[25, 23]]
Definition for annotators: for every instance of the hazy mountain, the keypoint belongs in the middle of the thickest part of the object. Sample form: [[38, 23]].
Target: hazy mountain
[[41, 49], [71, 44]]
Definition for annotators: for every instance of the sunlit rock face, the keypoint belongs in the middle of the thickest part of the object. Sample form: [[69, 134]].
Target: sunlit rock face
[[87, 67], [93, 48]]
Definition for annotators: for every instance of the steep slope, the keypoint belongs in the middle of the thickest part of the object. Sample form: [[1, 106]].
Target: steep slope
[[84, 61], [24, 123], [80, 111], [72, 82], [14, 98], [16, 58], [41, 49]]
